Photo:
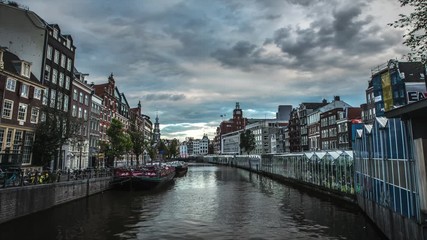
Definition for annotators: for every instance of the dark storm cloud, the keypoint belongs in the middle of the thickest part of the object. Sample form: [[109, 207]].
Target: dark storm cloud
[[164, 97], [345, 33], [238, 56], [176, 56]]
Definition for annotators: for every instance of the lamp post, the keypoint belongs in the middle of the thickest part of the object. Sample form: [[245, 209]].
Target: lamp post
[[79, 145]]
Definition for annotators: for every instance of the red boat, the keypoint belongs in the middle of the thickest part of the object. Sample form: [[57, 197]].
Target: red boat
[[143, 178]]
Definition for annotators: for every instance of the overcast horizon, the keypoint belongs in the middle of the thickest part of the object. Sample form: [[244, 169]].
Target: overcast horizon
[[191, 61]]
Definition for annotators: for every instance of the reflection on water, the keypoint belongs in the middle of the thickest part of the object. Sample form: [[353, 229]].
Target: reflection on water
[[210, 202]]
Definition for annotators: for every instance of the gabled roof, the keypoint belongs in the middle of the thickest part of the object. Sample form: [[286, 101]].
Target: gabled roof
[[10, 60], [314, 105]]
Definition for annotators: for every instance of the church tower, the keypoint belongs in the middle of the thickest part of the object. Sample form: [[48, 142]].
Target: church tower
[[156, 131], [238, 117]]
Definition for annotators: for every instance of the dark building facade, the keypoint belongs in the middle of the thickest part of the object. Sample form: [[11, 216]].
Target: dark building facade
[[20, 101]]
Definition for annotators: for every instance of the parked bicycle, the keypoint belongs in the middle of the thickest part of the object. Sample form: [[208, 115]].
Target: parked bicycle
[[10, 178]]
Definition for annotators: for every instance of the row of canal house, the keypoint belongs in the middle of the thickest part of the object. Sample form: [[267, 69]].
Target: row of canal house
[[37, 71], [390, 150]]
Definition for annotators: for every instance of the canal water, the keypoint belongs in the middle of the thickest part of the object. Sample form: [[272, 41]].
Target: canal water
[[209, 202]]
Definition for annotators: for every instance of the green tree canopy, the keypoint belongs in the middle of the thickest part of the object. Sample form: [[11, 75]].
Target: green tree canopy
[[120, 141], [51, 134], [138, 142], [173, 150], [247, 141], [415, 26]]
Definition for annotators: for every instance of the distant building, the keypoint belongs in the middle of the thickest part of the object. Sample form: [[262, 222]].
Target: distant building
[[236, 123], [395, 84], [156, 131], [298, 129]]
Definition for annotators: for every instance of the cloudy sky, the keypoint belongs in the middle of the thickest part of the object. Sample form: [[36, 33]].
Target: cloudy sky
[[190, 61]]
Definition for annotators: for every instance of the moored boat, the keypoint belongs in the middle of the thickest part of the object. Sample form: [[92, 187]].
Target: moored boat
[[151, 176], [181, 168], [121, 178]]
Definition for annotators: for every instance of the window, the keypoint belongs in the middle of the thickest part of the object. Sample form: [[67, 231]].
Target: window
[[49, 52], [80, 112], [85, 115], [63, 60], [37, 93], [11, 84], [86, 100], [75, 94], [7, 109], [65, 103], [52, 97], [44, 101], [54, 76], [56, 57], [24, 90], [61, 79], [22, 112], [59, 104], [47, 73], [25, 69], [55, 33], [74, 113], [34, 115], [69, 64], [67, 82], [81, 97]]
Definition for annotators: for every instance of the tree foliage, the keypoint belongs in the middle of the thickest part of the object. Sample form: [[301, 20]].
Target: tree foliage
[[120, 141], [415, 25], [52, 133], [173, 150], [247, 141], [138, 142]]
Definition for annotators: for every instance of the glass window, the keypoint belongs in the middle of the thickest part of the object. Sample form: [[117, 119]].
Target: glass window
[[67, 82], [37, 93], [54, 76], [34, 115], [74, 111], [22, 112], [11, 84], [49, 52], [80, 112], [81, 97], [24, 90], [61, 79], [63, 60], [26, 70], [65, 103], [85, 114], [7, 109], [45, 99], [56, 57], [52, 97], [75, 94], [59, 104], [86, 100], [69, 64], [47, 73]]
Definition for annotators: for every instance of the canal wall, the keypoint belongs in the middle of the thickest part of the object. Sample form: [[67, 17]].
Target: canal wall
[[20, 201]]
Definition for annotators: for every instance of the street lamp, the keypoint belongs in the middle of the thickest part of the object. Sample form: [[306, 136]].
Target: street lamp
[[79, 146]]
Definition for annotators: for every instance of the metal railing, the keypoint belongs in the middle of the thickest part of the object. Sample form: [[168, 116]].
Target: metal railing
[[19, 177]]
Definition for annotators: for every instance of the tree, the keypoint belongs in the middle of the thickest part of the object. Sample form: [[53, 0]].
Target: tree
[[415, 25], [173, 149], [138, 142], [247, 141], [163, 149], [120, 141], [51, 134]]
